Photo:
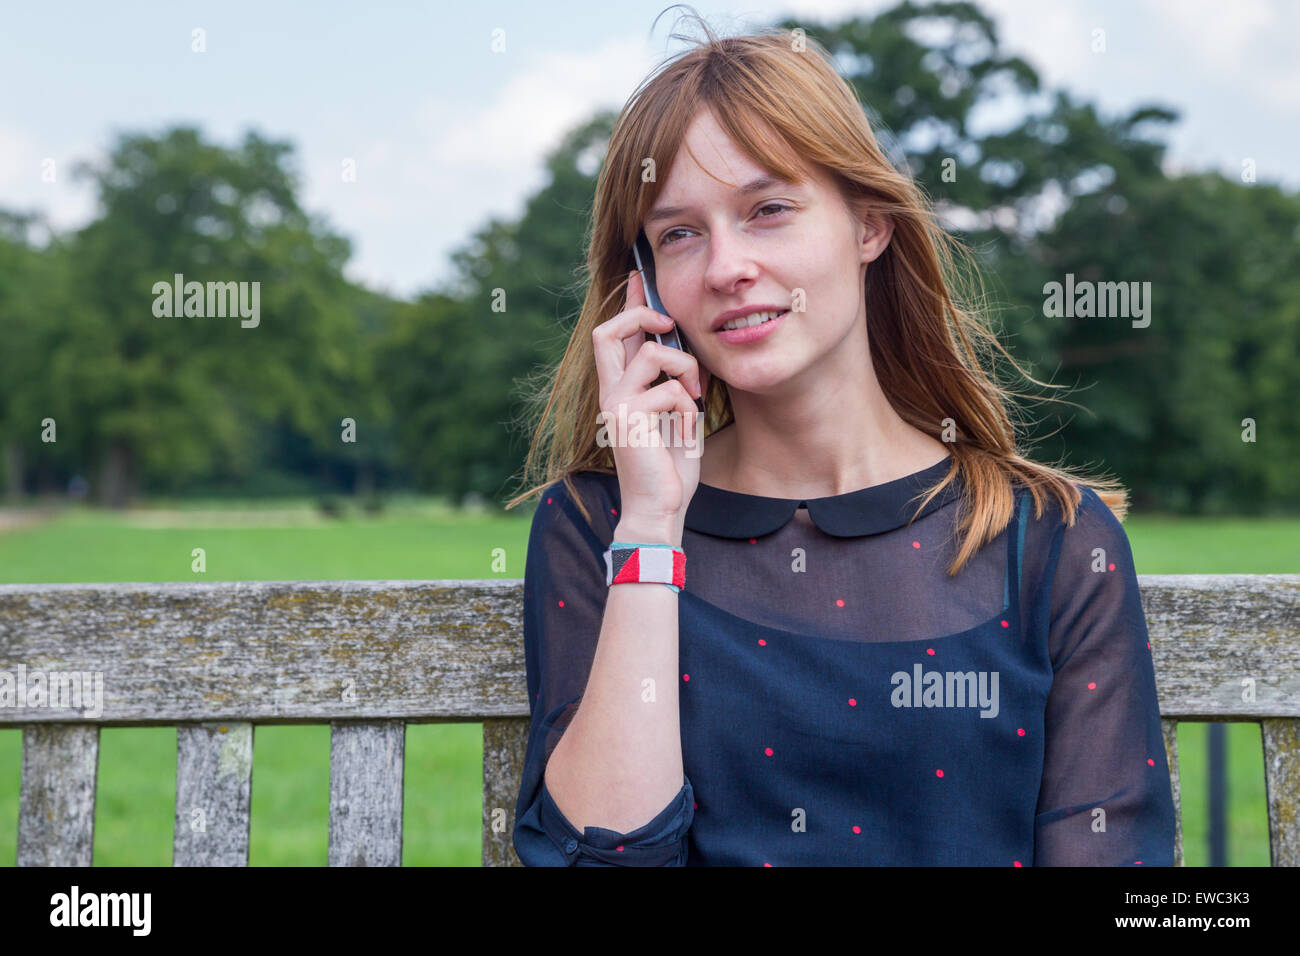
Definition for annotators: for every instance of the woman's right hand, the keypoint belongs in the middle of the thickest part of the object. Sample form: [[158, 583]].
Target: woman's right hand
[[656, 482]]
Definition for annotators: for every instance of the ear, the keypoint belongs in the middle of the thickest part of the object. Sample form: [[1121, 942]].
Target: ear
[[874, 234]]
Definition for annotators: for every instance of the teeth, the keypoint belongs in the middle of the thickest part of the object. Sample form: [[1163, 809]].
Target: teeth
[[754, 318]]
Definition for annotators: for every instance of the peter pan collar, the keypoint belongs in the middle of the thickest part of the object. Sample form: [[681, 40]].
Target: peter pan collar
[[884, 507]]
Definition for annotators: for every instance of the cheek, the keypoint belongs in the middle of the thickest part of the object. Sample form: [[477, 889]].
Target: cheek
[[680, 295], [831, 290]]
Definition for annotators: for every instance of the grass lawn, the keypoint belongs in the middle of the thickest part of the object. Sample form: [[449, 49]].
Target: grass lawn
[[417, 540]]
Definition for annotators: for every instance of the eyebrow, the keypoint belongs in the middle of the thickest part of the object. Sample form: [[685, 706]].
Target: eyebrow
[[758, 185]]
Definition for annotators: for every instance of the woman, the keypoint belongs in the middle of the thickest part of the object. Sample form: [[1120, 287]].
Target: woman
[[878, 654]]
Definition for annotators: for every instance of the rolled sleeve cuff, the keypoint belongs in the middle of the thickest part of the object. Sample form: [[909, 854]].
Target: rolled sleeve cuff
[[661, 842]]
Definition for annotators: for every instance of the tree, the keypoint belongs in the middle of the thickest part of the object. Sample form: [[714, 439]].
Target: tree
[[167, 396]]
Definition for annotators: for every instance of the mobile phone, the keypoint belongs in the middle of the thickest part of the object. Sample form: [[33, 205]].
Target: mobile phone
[[645, 264]]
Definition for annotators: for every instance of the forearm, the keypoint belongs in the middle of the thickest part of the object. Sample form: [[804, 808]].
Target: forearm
[[619, 761]]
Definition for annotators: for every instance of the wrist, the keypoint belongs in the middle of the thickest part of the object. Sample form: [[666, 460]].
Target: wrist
[[641, 530], [641, 562]]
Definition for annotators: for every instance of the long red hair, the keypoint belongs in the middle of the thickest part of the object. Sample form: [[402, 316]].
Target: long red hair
[[926, 319]]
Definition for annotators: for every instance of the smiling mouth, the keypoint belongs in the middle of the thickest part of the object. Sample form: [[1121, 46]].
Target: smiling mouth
[[748, 321]]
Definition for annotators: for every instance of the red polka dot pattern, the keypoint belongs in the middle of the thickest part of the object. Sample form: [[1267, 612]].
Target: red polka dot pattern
[[926, 737]]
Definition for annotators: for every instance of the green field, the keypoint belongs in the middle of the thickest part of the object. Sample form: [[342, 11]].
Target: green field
[[413, 539]]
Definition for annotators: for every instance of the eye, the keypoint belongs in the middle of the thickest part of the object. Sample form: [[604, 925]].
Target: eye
[[780, 208]]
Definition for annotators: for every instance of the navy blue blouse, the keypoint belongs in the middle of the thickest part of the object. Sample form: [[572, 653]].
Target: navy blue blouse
[[844, 702]]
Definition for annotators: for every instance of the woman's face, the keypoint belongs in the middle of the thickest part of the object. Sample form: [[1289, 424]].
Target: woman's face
[[718, 248]]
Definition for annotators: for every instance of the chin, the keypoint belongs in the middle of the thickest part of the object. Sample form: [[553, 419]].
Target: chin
[[758, 381]]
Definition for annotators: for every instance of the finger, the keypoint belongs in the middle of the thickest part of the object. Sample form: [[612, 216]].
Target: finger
[[635, 299], [664, 397], [653, 358], [628, 325], [635, 294], [615, 341], [670, 400]]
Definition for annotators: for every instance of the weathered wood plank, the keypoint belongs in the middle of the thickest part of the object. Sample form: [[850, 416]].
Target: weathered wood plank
[[275, 652], [1169, 729], [1226, 647], [505, 743], [56, 806], [366, 769], [1282, 786], [214, 787]]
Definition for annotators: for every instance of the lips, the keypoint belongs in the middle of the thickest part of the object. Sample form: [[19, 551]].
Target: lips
[[751, 333], [754, 318], [745, 311]]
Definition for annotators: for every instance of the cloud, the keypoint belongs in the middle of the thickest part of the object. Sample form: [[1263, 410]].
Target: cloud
[[65, 203], [1253, 38], [537, 103], [463, 162]]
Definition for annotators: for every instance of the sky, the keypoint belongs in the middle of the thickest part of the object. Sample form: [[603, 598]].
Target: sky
[[446, 132]]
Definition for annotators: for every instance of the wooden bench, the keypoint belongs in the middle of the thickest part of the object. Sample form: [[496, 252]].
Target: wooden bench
[[369, 657]]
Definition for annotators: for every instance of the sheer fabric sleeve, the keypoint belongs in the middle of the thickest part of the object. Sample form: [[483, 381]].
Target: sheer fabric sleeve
[[1105, 797], [564, 604]]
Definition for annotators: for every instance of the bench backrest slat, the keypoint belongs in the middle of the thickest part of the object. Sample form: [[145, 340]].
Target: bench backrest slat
[[56, 803], [505, 744], [1282, 785], [366, 765], [214, 789], [1169, 730]]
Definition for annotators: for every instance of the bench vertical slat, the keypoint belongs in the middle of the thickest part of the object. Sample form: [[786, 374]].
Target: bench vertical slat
[[366, 764], [1282, 785], [56, 809], [1169, 730], [214, 784], [505, 744]]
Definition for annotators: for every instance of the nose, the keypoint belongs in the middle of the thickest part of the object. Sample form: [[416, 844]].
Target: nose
[[731, 261]]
